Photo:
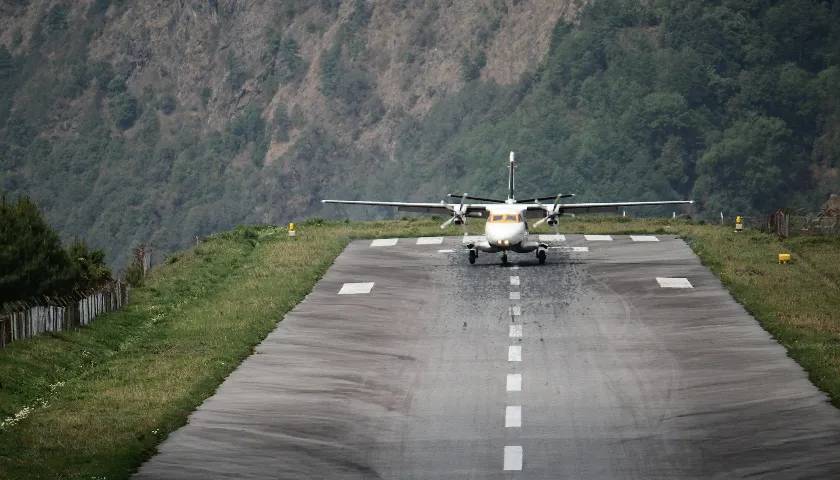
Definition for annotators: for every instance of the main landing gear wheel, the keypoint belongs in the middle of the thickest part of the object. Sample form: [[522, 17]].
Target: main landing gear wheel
[[472, 256], [504, 259], [541, 256]]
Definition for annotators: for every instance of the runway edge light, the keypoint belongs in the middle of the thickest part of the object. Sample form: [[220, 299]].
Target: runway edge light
[[784, 257], [292, 231], [739, 224]]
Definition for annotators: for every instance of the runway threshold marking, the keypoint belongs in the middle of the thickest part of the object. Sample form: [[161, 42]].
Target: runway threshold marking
[[514, 295], [513, 457], [356, 288], [674, 282], [429, 240], [552, 238], [515, 353], [516, 310], [515, 331], [571, 249], [598, 238], [384, 242], [513, 416], [514, 382], [514, 280], [644, 238]]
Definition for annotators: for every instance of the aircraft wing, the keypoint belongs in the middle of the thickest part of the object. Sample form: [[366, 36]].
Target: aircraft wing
[[470, 210], [544, 208]]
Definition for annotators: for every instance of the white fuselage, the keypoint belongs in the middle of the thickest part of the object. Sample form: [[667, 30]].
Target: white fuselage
[[506, 230]]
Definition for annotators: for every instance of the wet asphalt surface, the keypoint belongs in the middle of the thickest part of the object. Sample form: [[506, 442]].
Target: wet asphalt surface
[[620, 378]]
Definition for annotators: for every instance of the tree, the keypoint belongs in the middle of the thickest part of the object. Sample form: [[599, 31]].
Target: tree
[[32, 261]]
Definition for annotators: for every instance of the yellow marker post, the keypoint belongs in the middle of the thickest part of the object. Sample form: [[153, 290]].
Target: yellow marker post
[[739, 224], [784, 258], [292, 231]]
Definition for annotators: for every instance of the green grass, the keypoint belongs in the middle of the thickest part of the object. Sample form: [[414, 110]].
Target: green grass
[[102, 398]]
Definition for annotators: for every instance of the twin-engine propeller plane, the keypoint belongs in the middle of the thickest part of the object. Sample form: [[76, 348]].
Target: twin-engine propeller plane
[[506, 229]]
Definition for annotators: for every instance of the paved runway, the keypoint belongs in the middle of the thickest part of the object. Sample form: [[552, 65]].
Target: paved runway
[[606, 366]]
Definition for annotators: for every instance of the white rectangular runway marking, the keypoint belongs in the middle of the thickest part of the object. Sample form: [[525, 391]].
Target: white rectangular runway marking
[[571, 249], [515, 353], [552, 238], [446, 250], [473, 238], [429, 240], [514, 295], [514, 382], [516, 310], [513, 416], [355, 288], [675, 282], [643, 238], [515, 331], [384, 242], [514, 280], [515, 267], [598, 238], [513, 457]]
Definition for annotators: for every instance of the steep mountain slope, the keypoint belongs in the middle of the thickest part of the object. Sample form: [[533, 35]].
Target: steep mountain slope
[[157, 122], [160, 121]]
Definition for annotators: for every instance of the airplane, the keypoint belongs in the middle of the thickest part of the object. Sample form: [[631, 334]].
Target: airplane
[[506, 229]]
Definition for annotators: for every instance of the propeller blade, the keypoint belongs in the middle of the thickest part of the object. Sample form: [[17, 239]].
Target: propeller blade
[[541, 221], [447, 223]]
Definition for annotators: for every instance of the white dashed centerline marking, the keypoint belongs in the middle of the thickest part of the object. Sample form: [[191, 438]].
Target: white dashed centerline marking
[[515, 267], [514, 280], [675, 282], [514, 295], [355, 288], [429, 240], [552, 238], [384, 242], [515, 331], [643, 238], [472, 238], [514, 382], [515, 353], [516, 310], [513, 457], [446, 250], [513, 416], [598, 238]]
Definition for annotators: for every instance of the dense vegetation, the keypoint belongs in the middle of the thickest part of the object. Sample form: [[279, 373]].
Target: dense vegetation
[[736, 104], [733, 103], [34, 263]]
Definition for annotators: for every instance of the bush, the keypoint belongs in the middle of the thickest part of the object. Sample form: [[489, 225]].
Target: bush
[[124, 110], [168, 104]]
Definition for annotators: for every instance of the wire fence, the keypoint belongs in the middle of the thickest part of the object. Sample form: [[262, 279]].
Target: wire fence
[[787, 225], [19, 320]]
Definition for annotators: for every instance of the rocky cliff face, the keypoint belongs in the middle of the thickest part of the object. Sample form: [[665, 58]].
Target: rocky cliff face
[[205, 114]]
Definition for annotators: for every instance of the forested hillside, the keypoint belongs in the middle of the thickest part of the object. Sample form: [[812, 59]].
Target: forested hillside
[[133, 122], [735, 104]]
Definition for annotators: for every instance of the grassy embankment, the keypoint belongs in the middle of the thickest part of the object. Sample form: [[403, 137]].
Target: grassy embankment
[[103, 397]]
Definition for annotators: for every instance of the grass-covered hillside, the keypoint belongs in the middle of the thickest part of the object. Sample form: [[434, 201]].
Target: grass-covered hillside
[[95, 403]]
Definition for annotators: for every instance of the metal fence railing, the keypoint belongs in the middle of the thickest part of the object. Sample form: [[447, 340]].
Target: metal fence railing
[[19, 320]]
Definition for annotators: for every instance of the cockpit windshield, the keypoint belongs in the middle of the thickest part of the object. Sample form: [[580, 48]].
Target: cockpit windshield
[[505, 218]]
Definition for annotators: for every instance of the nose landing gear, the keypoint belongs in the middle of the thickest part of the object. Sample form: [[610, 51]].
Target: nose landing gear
[[473, 254], [504, 258], [541, 256]]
